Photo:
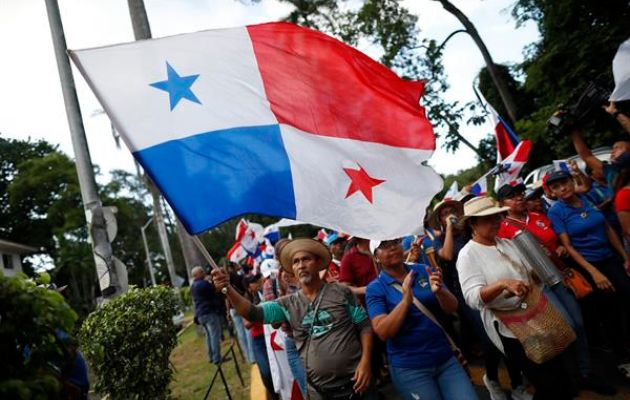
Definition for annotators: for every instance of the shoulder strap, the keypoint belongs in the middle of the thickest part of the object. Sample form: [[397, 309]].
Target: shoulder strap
[[421, 307], [310, 329]]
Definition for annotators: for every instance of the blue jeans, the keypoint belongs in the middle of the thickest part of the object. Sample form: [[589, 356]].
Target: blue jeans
[[212, 324], [295, 363], [447, 381], [568, 306], [242, 334], [260, 355]]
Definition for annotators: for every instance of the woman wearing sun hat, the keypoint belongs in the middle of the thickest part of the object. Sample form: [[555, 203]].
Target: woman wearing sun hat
[[447, 246], [490, 281]]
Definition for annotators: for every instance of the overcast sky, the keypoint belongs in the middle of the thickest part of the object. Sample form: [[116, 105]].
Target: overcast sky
[[31, 102]]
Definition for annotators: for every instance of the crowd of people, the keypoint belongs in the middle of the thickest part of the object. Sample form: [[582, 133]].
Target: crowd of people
[[534, 277]]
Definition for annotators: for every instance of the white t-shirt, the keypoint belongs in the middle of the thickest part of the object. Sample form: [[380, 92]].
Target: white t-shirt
[[479, 265]]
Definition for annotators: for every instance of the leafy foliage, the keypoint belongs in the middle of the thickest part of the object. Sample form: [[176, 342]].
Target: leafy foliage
[[579, 39], [31, 316], [40, 205], [128, 342]]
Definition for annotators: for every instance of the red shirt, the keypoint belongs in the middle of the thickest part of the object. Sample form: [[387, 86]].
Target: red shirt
[[357, 268], [622, 200], [332, 273], [257, 329], [537, 224]]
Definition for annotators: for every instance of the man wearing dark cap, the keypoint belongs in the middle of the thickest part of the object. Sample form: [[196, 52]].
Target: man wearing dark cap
[[331, 330]]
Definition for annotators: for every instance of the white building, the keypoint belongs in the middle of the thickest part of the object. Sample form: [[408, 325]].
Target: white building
[[10, 256]]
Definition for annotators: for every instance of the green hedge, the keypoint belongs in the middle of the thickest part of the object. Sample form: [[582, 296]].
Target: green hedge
[[128, 342]]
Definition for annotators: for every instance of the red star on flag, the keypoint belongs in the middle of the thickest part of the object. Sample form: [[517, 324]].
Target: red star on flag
[[361, 181]]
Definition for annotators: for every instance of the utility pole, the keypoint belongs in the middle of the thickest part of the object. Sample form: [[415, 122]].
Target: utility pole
[[108, 277], [495, 74], [146, 250], [192, 257]]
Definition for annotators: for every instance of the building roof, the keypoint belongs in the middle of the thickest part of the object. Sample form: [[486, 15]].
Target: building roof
[[16, 248]]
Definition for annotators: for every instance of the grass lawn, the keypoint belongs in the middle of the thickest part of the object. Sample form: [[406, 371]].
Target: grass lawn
[[193, 371]]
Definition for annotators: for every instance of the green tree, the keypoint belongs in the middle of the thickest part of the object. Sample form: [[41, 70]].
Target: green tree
[[15, 223], [579, 39], [41, 206], [30, 343]]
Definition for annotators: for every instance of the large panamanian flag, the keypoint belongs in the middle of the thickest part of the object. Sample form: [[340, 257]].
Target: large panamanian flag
[[273, 119]]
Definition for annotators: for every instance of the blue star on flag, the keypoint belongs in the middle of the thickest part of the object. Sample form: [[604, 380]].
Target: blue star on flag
[[178, 87]]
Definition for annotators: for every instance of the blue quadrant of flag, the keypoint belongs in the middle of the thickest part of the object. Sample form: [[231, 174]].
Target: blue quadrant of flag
[[228, 172]]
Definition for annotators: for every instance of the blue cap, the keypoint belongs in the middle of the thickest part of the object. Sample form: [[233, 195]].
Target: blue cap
[[557, 176], [407, 241], [330, 238]]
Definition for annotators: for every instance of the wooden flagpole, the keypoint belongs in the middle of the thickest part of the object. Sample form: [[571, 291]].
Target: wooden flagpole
[[204, 252]]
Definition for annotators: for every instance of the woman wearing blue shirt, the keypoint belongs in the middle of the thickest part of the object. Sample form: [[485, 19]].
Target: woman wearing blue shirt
[[421, 361], [596, 251], [588, 238]]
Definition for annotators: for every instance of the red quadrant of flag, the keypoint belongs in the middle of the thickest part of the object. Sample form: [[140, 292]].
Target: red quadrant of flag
[[324, 87]]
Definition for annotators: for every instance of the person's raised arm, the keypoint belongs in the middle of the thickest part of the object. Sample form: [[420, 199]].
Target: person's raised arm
[[448, 248], [447, 301], [585, 152], [243, 307], [387, 325]]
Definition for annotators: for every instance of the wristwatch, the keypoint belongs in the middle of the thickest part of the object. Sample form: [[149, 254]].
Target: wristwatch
[[225, 289]]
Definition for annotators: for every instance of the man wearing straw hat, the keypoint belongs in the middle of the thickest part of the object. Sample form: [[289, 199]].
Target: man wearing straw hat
[[331, 330]]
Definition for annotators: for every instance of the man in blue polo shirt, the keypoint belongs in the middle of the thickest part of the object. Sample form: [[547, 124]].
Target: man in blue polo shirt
[[422, 362]]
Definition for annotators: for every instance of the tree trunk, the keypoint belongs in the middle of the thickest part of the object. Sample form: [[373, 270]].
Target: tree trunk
[[498, 81]]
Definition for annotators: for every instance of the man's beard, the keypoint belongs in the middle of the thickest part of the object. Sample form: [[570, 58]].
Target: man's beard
[[306, 279]]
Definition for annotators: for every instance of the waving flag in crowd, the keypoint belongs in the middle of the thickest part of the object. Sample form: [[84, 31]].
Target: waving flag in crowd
[[561, 165], [480, 187], [272, 233], [452, 192], [249, 235], [621, 73], [272, 119], [509, 169], [321, 235], [237, 253], [505, 137]]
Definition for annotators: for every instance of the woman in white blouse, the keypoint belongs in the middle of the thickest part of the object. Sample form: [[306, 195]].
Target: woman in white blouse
[[491, 280]]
